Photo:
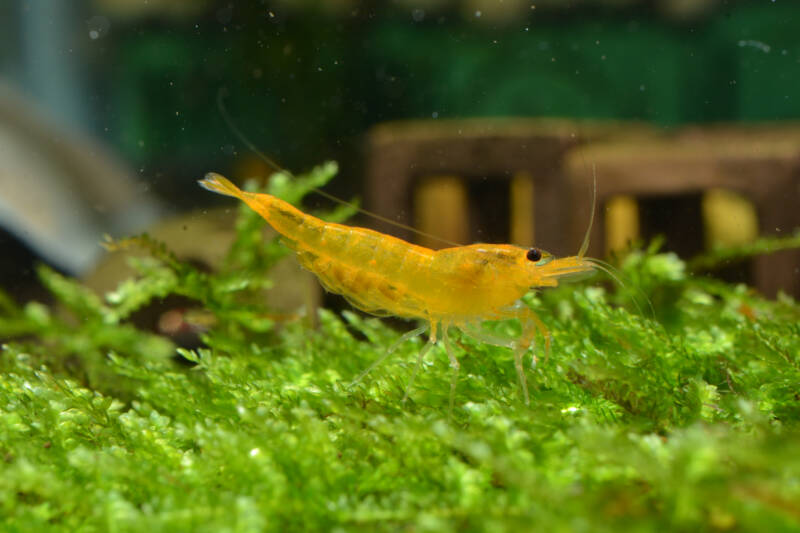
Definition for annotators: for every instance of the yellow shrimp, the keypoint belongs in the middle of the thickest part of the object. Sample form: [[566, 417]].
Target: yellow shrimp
[[453, 287]]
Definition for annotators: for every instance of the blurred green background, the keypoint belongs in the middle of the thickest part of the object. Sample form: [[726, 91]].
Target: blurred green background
[[307, 79]]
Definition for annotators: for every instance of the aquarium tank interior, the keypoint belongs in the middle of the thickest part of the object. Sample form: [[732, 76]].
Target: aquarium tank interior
[[451, 265]]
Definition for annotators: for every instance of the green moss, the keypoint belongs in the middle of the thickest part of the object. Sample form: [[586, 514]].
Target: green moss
[[688, 422]]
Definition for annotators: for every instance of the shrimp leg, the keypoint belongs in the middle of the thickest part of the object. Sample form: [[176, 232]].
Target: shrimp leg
[[388, 353], [531, 324], [541, 328], [422, 353], [454, 365]]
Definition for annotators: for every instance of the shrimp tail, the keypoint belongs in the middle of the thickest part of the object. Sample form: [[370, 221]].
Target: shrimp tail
[[221, 185]]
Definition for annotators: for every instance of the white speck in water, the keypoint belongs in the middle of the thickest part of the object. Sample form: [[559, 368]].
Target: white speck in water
[[254, 452], [435, 114], [418, 15], [478, 14], [641, 87]]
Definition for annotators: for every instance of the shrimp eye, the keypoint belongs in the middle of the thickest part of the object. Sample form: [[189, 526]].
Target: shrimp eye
[[534, 254]]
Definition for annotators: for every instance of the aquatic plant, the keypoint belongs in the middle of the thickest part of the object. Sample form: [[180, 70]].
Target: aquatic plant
[[687, 420]]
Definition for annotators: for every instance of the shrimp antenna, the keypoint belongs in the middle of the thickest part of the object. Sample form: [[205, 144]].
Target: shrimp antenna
[[585, 243], [223, 93], [615, 274]]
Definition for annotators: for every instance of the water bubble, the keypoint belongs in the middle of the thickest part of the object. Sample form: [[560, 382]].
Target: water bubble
[[98, 26]]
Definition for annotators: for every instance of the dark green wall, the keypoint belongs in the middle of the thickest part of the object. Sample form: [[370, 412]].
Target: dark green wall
[[305, 85]]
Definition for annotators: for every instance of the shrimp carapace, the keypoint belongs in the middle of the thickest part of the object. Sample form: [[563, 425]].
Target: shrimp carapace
[[452, 287]]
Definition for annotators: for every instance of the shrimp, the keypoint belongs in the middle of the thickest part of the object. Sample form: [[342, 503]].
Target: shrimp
[[456, 287]]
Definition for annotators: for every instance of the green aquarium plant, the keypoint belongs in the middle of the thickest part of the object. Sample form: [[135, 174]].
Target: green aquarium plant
[[684, 418]]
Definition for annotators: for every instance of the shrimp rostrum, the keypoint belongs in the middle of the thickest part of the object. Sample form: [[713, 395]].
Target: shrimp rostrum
[[457, 287]]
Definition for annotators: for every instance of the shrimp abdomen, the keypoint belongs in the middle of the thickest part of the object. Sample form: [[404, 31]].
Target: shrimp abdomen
[[368, 290]]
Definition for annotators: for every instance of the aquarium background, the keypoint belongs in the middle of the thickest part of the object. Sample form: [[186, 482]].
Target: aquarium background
[[305, 82]]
